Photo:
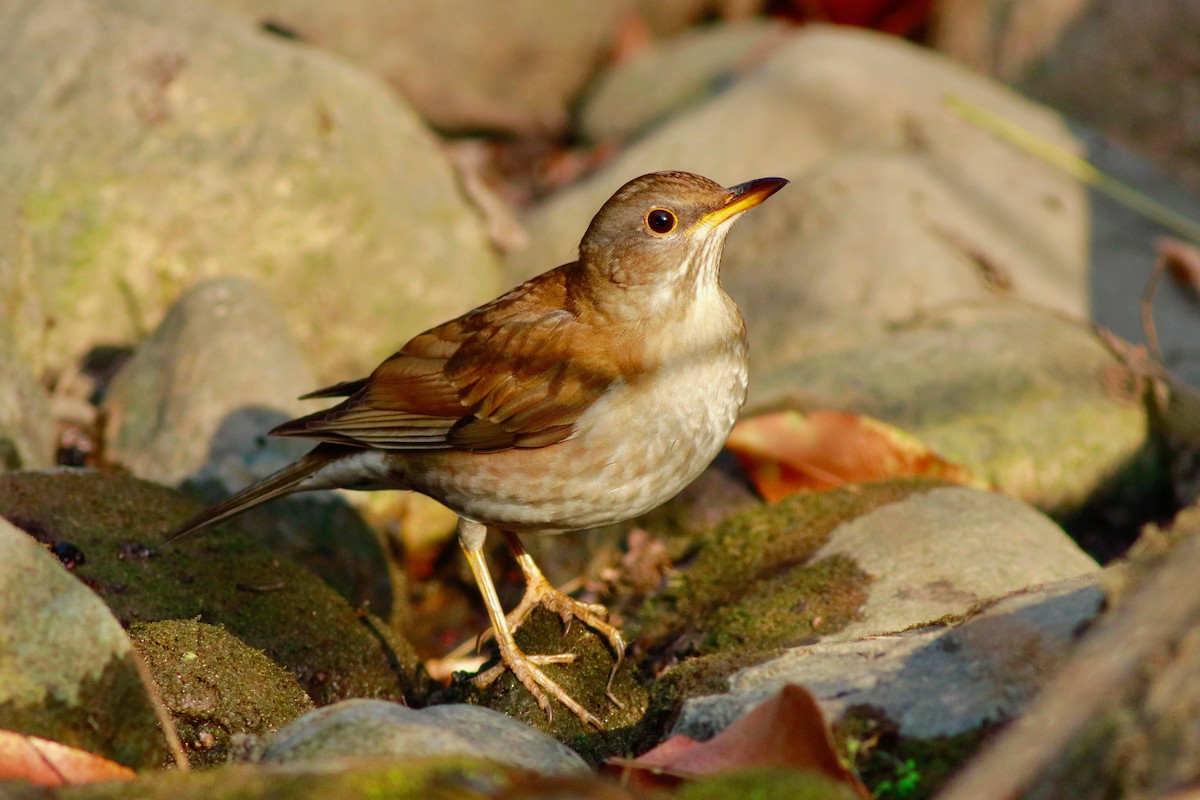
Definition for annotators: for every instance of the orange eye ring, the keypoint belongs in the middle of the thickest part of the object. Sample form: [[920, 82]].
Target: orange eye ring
[[660, 221]]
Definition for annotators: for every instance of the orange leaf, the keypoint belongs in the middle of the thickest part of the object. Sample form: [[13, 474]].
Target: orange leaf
[[788, 730], [48, 763], [789, 452]]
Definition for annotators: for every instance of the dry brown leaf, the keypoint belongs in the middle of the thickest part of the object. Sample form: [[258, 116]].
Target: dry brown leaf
[[788, 730], [789, 452], [48, 763]]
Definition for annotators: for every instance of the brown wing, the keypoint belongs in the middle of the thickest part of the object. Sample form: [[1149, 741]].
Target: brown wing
[[517, 372]]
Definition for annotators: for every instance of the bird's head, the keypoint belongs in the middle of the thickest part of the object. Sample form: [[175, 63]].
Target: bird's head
[[667, 229]]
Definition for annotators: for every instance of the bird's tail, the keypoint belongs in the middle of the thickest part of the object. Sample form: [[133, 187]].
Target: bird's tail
[[285, 481]]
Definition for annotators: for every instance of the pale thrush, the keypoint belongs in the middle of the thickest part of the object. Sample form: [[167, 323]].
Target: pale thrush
[[585, 396]]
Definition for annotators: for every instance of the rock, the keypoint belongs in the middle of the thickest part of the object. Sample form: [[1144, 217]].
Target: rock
[[858, 561], [215, 376], [939, 680], [118, 523], [513, 67], [215, 686], [194, 406], [355, 728], [1119, 718], [940, 553], [812, 571], [1039, 406], [148, 146], [752, 584], [67, 671], [27, 433], [671, 75]]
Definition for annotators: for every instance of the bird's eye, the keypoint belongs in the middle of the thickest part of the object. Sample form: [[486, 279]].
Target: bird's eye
[[661, 221]]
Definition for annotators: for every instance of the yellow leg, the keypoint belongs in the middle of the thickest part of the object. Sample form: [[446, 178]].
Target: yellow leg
[[471, 536], [539, 592]]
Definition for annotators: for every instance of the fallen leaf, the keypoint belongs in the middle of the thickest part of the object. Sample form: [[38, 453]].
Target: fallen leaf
[[48, 763], [789, 452], [788, 730]]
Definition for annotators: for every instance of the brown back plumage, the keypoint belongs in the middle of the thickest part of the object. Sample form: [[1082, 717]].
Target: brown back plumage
[[516, 372]]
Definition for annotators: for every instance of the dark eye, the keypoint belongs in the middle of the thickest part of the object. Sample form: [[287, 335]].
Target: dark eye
[[661, 221]]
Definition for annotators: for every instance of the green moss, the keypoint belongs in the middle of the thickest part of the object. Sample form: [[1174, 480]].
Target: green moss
[[900, 767], [766, 783], [760, 545], [791, 608], [220, 578], [215, 686]]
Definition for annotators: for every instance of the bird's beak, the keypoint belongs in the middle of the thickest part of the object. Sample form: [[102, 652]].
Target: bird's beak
[[741, 197]]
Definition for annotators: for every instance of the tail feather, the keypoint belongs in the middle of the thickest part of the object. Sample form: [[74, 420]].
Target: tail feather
[[285, 481]]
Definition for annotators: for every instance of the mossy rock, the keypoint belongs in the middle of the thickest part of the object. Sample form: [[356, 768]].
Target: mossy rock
[[118, 523], [67, 671], [585, 680], [749, 584], [751, 587], [215, 686]]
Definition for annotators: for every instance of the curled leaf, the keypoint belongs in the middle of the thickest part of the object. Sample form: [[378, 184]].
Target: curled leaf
[[789, 452], [48, 763], [787, 730]]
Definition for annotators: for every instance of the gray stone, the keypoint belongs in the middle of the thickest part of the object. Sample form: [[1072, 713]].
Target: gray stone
[[669, 76], [205, 388], [941, 552], [27, 432], [469, 65], [1035, 404], [936, 681], [67, 670], [148, 145], [376, 727]]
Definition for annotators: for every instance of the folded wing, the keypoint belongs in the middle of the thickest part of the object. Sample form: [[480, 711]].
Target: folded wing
[[518, 372]]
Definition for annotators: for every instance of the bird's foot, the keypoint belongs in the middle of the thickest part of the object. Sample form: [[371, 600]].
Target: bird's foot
[[595, 616], [526, 669]]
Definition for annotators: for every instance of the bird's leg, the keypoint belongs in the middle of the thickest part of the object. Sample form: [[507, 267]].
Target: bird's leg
[[525, 667], [540, 592]]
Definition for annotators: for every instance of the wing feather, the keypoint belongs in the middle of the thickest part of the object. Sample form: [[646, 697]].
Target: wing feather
[[517, 372]]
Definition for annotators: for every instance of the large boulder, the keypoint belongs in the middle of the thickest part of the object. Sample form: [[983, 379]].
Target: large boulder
[[148, 145], [469, 65]]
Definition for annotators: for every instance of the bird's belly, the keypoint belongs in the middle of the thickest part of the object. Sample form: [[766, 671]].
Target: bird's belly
[[633, 450]]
